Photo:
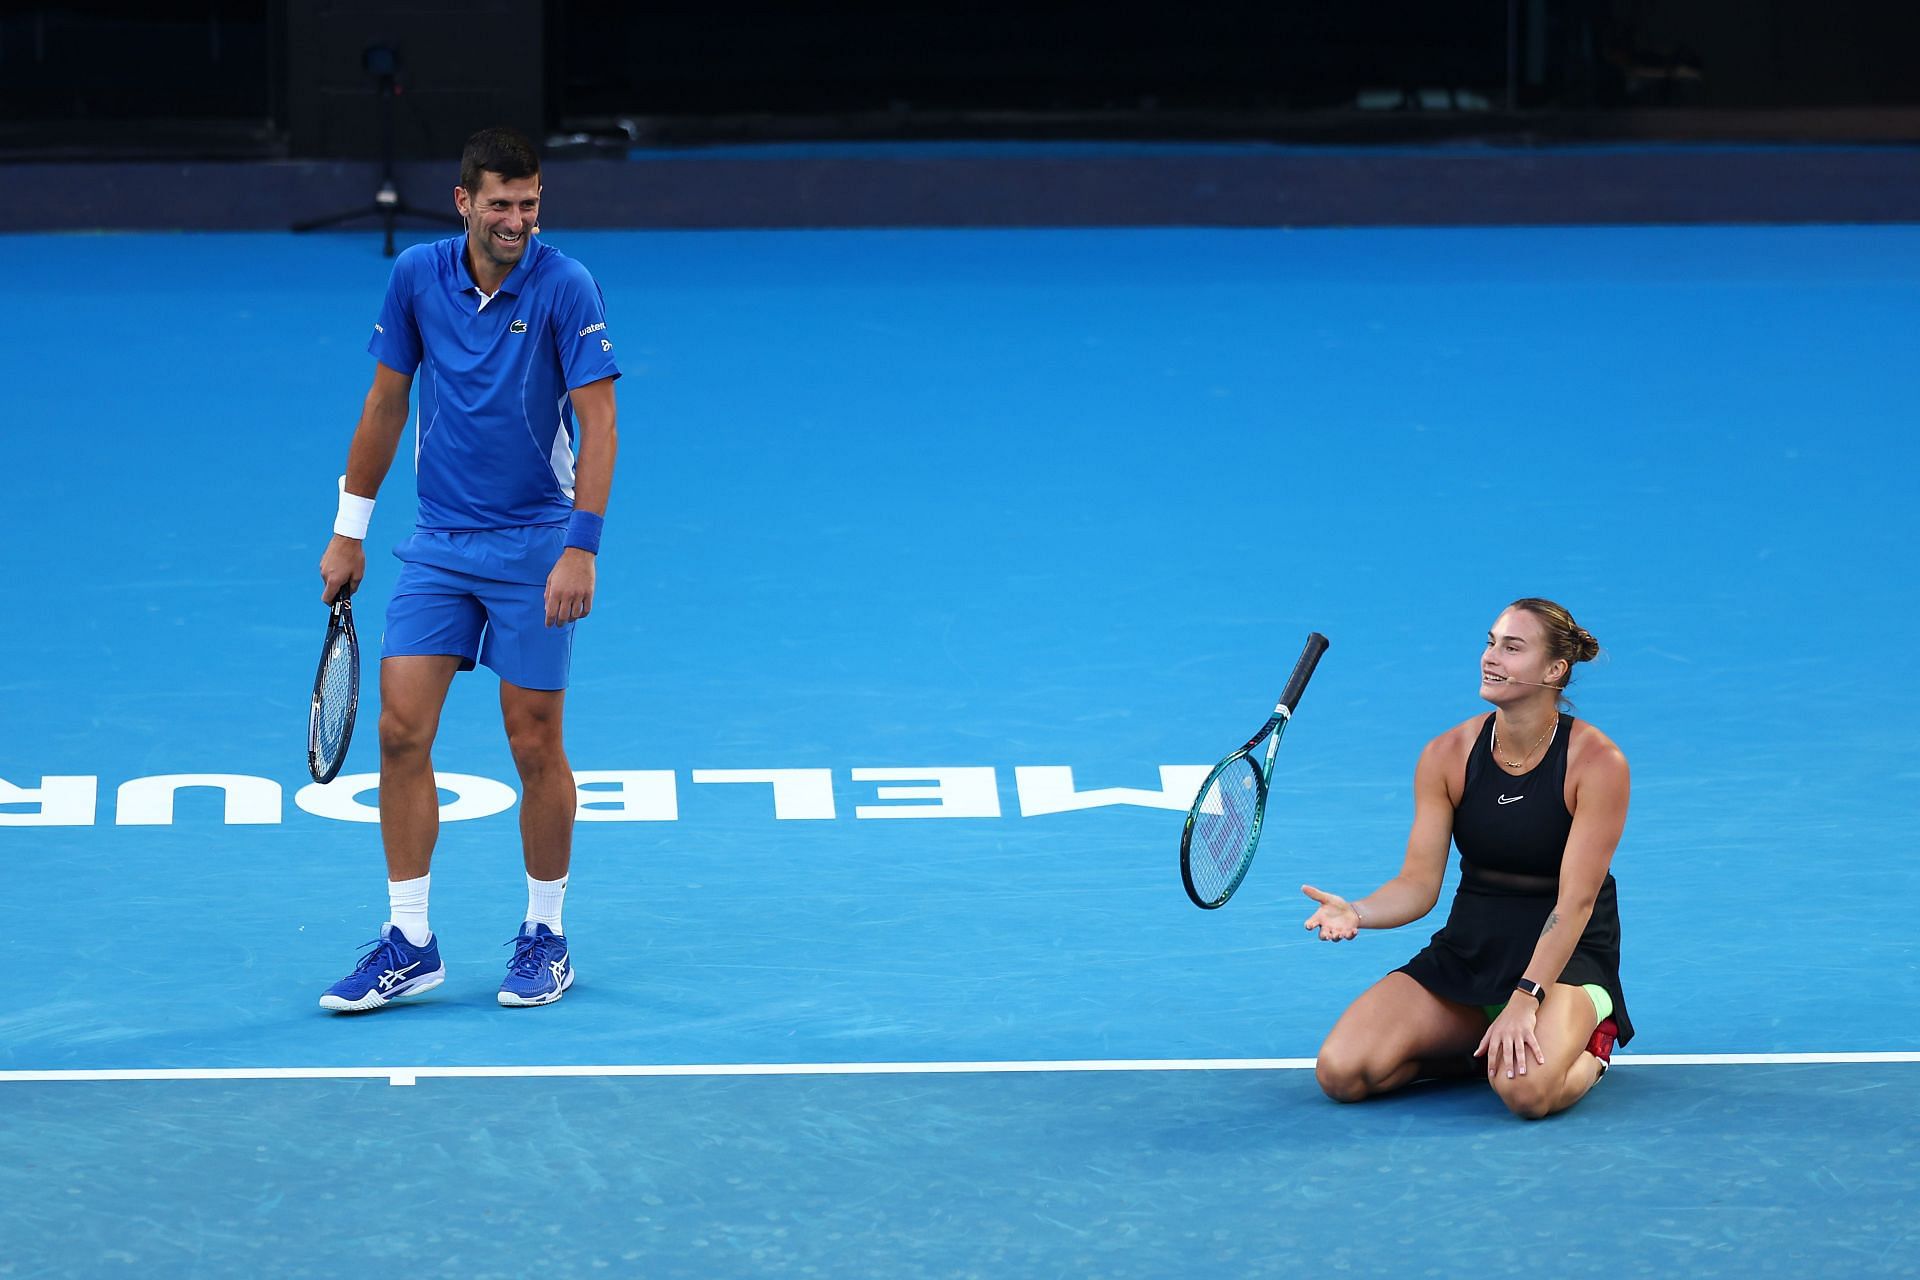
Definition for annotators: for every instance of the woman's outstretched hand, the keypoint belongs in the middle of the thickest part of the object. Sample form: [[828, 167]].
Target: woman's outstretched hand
[[1336, 919]]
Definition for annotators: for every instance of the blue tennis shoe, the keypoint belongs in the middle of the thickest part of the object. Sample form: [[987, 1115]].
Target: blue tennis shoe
[[540, 971], [391, 968]]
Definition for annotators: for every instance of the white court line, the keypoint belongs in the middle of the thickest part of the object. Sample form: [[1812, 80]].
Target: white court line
[[409, 1075]]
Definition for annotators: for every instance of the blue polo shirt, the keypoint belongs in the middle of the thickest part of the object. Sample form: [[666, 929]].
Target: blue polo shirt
[[494, 439]]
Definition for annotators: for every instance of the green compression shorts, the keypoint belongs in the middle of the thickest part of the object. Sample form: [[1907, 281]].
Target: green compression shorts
[[1602, 1002]]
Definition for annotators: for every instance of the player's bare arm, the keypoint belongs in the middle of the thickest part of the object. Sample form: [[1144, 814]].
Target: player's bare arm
[[383, 418], [570, 585], [1412, 893], [1600, 784]]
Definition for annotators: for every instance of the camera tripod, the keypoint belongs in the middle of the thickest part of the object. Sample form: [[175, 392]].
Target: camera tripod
[[383, 64]]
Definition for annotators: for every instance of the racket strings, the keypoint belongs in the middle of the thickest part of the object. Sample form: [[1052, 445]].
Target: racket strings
[[1224, 828], [337, 691]]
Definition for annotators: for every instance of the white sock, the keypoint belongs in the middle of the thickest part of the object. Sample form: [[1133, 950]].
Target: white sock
[[544, 898], [407, 902]]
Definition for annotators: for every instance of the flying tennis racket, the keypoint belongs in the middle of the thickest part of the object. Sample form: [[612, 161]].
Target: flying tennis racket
[[1223, 827], [336, 695]]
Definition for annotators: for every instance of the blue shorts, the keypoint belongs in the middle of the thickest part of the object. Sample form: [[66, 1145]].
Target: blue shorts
[[465, 595]]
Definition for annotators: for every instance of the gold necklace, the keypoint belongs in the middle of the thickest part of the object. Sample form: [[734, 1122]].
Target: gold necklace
[[1515, 764]]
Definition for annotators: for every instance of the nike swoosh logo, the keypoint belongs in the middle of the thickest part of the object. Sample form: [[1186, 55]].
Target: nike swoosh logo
[[1504, 798]]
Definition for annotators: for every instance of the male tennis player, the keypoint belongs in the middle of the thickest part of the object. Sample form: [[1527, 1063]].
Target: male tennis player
[[514, 453]]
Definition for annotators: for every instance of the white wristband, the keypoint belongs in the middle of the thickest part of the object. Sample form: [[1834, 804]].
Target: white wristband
[[356, 513]]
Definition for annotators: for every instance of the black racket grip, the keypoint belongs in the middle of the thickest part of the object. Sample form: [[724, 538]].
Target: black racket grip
[[1303, 671]]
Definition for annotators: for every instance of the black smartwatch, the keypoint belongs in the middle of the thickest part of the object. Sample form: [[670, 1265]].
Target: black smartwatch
[[1532, 988]]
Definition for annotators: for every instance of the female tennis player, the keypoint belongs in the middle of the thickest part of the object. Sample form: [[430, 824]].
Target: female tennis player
[[1526, 972]]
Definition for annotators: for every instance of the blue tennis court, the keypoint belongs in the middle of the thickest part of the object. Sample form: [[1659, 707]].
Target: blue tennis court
[[938, 564]]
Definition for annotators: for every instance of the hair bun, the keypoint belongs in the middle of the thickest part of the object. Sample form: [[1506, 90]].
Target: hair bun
[[1586, 647]]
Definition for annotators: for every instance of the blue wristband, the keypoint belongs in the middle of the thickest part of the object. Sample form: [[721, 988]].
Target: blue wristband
[[583, 531]]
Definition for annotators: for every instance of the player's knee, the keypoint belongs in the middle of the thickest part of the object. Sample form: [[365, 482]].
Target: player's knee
[[402, 736], [1341, 1077], [1530, 1096], [536, 745]]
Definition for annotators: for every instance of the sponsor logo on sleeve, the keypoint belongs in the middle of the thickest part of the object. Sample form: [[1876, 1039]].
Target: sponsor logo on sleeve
[[592, 328]]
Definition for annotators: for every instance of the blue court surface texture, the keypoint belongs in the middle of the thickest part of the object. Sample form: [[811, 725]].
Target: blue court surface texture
[[939, 516]]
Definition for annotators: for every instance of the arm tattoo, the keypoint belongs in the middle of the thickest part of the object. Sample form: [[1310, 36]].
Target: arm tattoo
[[1553, 918]]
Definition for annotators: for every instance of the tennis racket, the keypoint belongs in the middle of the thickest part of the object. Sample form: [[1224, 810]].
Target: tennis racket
[[336, 695], [1223, 827]]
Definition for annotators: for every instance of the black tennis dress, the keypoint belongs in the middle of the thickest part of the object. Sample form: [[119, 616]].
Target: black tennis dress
[[1511, 833]]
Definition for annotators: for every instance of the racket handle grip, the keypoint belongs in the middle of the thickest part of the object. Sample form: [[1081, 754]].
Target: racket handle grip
[[1303, 671]]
